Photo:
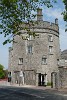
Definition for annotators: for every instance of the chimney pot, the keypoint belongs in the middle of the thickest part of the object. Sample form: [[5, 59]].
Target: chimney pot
[[56, 21], [39, 15]]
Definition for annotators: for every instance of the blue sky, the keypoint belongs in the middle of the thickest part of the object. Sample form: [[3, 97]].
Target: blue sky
[[49, 14]]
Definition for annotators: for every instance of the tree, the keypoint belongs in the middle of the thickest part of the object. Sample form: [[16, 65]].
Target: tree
[[14, 12], [6, 73], [2, 74], [65, 12]]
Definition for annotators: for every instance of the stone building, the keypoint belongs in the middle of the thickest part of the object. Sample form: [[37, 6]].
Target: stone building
[[63, 69], [37, 56], [63, 59]]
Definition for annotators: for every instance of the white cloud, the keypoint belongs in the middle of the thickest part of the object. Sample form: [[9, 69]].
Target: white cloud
[[53, 13]]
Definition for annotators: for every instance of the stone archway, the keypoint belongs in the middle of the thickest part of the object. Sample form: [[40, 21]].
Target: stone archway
[[54, 80], [42, 79]]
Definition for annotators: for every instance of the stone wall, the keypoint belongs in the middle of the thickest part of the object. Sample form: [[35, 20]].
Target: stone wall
[[63, 76], [40, 49]]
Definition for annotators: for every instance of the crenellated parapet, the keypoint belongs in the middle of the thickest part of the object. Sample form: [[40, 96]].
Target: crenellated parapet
[[41, 27], [46, 25], [10, 49]]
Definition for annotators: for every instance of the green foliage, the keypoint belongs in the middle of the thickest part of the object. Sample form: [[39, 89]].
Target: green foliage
[[6, 73], [14, 12], [65, 12], [49, 84], [2, 74], [1, 67]]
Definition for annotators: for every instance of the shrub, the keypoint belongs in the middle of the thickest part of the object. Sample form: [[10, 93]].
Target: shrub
[[48, 83]]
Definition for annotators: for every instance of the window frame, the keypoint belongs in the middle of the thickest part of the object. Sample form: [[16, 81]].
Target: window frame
[[44, 60], [30, 37], [30, 49], [20, 62], [58, 61], [50, 49], [50, 38]]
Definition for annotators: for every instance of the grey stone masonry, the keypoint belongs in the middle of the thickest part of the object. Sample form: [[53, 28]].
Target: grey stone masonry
[[63, 76], [37, 55]]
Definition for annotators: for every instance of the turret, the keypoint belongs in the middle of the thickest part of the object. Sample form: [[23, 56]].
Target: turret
[[56, 21]]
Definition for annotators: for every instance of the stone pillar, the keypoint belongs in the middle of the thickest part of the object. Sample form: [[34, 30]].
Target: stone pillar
[[45, 80], [41, 79], [53, 80], [57, 80], [36, 79], [13, 77]]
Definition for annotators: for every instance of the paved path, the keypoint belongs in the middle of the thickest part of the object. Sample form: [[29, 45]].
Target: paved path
[[24, 93], [61, 91], [4, 83]]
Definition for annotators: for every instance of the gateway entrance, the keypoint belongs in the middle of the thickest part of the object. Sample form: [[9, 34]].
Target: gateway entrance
[[42, 79]]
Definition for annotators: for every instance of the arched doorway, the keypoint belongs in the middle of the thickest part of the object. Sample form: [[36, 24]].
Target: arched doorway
[[54, 81], [42, 79]]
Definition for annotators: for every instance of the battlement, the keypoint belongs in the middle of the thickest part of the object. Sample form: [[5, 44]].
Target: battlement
[[47, 25], [10, 49], [41, 25]]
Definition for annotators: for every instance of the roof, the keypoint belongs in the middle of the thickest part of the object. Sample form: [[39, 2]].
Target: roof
[[64, 54]]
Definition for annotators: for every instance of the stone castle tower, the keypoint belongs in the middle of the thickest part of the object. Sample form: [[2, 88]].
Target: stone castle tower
[[37, 56]]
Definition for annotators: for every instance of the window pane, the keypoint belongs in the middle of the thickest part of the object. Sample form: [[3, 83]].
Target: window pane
[[44, 60], [50, 38], [58, 61], [20, 60], [50, 49], [29, 49], [30, 37]]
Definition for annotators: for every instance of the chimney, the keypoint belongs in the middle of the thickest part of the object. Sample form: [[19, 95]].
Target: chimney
[[56, 21], [39, 15]]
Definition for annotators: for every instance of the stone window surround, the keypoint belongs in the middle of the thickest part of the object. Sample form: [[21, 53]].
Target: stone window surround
[[29, 49], [30, 37], [50, 50], [20, 61], [50, 38], [44, 60]]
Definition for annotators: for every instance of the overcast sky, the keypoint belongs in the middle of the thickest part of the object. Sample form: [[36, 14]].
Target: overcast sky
[[49, 14]]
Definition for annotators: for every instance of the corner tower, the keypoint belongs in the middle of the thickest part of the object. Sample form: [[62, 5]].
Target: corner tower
[[37, 55]]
